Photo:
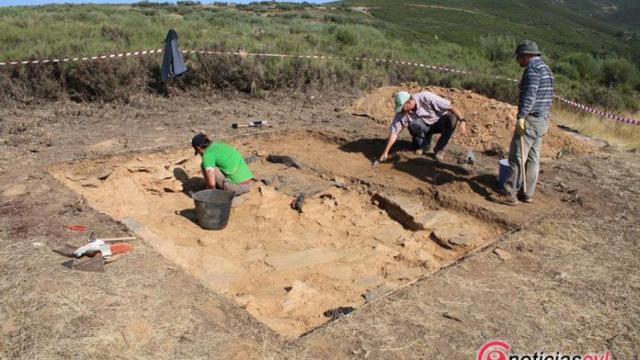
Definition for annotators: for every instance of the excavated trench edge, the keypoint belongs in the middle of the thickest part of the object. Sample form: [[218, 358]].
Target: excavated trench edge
[[430, 194]]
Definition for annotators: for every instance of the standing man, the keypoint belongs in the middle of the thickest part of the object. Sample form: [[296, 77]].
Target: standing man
[[532, 123], [222, 165], [426, 114]]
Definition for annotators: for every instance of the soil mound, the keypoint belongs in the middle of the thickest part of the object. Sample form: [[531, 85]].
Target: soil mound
[[490, 122]]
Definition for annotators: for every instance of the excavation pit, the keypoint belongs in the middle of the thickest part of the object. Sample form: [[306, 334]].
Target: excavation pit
[[294, 271]]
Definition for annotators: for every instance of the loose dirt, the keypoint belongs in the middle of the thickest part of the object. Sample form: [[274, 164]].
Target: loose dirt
[[490, 121]]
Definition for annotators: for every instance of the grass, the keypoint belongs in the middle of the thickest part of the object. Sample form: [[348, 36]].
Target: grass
[[616, 134]]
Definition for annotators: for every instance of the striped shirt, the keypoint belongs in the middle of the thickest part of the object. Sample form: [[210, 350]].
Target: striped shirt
[[536, 90], [429, 108]]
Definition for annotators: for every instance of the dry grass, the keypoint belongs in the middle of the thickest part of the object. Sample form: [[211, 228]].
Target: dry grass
[[619, 135]]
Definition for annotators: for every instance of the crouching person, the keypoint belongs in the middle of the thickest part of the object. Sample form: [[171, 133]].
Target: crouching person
[[223, 167], [425, 114]]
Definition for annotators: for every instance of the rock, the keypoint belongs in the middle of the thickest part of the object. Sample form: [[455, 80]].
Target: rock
[[15, 190], [502, 254], [461, 240], [76, 177], [339, 180], [140, 168], [107, 145], [407, 211], [90, 182], [104, 174], [174, 187], [302, 258], [299, 295], [164, 174], [441, 237], [181, 161], [433, 219], [245, 300]]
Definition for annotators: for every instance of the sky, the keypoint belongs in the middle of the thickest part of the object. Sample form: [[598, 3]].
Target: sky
[[42, 2]]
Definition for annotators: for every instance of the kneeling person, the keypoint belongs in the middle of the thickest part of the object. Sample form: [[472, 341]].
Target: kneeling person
[[222, 165], [426, 114]]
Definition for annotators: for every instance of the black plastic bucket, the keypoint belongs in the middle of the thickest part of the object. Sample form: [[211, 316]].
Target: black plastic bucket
[[213, 208]]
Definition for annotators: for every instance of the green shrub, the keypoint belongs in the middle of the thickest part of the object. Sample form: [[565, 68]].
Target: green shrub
[[346, 37], [618, 72], [498, 48]]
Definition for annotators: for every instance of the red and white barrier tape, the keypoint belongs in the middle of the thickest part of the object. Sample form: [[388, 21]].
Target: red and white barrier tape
[[565, 101]]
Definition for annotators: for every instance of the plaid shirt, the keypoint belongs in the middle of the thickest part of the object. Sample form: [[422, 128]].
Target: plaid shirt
[[536, 90], [429, 108]]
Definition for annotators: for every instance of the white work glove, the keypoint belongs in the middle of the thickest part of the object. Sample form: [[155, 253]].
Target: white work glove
[[90, 248]]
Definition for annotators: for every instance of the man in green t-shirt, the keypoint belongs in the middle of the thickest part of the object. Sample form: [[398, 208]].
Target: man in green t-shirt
[[222, 165]]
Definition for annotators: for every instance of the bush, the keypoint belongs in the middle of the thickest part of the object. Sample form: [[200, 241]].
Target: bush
[[346, 37], [578, 66], [617, 72], [498, 48]]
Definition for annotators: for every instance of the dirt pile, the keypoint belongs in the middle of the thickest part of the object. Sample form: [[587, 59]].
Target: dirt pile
[[489, 121]]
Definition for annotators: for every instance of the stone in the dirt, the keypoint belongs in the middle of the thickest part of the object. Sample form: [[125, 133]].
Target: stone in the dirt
[[181, 161], [76, 177], [441, 237], [15, 190], [502, 254], [304, 258], [299, 295], [436, 218], [405, 210], [284, 159], [90, 182], [339, 180], [140, 168], [164, 174], [104, 174], [461, 240], [244, 300], [10, 329]]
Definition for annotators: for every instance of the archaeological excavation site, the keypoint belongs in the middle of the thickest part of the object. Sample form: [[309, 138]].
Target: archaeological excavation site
[[362, 233]]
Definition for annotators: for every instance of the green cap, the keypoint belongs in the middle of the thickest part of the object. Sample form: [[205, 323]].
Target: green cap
[[527, 47], [401, 98]]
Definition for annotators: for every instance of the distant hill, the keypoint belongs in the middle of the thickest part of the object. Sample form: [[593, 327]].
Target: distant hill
[[560, 26]]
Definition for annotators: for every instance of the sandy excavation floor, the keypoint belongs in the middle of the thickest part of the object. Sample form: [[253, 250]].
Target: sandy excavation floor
[[290, 270]]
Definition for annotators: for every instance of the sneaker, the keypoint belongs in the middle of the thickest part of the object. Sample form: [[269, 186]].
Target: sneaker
[[439, 156], [419, 152], [504, 199], [526, 199]]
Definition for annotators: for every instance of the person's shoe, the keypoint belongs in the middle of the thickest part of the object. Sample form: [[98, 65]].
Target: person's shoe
[[419, 152], [504, 199], [439, 156], [526, 199]]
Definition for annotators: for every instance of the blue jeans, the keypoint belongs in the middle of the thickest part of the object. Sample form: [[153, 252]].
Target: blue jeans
[[422, 132]]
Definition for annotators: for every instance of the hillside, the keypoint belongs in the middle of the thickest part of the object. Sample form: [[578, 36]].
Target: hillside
[[591, 56], [559, 26]]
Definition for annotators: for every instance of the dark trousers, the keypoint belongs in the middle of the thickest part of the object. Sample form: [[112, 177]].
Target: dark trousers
[[422, 132]]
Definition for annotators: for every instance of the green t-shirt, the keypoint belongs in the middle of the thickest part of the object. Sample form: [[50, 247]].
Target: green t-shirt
[[229, 160]]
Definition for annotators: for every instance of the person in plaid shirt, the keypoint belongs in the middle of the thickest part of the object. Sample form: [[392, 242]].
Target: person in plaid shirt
[[425, 114]]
